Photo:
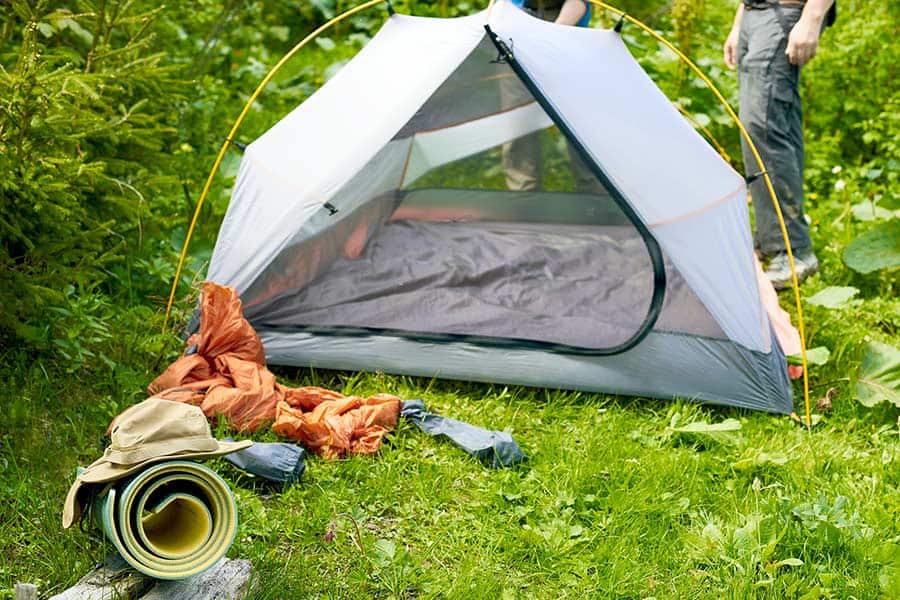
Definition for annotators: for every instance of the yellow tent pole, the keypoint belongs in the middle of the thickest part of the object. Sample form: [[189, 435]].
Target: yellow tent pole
[[762, 169], [234, 128], [704, 130], [603, 5]]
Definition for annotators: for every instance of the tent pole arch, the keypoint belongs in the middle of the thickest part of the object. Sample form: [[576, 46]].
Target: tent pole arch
[[338, 18], [787, 242], [187, 238]]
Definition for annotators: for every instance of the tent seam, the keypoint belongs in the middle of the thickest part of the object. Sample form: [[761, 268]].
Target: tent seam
[[698, 211]]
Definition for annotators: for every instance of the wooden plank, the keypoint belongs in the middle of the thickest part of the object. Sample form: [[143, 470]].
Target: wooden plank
[[111, 579], [115, 580], [226, 580]]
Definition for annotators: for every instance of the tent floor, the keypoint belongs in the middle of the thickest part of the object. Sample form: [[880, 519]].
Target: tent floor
[[587, 286]]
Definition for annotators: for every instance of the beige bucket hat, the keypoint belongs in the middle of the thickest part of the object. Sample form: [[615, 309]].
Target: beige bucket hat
[[149, 432]]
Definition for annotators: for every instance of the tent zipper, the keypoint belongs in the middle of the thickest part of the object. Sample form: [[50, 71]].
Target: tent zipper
[[659, 270]]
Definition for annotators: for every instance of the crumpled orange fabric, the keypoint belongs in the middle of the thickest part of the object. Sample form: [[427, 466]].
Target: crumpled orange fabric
[[336, 423], [227, 377]]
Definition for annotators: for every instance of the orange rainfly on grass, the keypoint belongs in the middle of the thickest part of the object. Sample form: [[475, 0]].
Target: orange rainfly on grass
[[223, 372], [331, 424]]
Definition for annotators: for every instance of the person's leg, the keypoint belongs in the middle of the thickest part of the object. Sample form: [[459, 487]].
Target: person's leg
[[770, 109], [522, 156], [522, 163], [585, 180]]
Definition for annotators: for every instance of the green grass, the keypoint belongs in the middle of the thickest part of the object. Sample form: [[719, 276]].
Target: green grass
[[612, 503]]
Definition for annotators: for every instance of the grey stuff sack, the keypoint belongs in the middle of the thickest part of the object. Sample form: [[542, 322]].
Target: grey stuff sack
[[277, 462], [493, 448]]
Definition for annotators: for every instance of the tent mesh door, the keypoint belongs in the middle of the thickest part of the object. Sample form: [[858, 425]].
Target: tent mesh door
[[479, 221]]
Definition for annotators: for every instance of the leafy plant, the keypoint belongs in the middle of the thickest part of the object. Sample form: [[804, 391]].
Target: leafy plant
[[879, 375], [814, 356], [888, 556], [81, 147], [878, 248], [743, 547], [831, 522], [702, 431], [833, 297]]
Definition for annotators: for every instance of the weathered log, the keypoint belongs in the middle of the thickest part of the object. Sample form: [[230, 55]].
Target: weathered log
[[114, 579], [26, 591], [227, 580]]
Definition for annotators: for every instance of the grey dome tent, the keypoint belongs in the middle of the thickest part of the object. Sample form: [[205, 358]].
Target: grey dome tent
[[378, 226]]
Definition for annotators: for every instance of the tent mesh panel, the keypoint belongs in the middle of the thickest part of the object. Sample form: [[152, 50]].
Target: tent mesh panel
[[477, 219]]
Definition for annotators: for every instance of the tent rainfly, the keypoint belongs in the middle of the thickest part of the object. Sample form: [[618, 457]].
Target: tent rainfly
[[498, 198]]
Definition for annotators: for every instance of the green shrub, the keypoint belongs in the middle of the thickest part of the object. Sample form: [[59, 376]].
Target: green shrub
[[83, 132]]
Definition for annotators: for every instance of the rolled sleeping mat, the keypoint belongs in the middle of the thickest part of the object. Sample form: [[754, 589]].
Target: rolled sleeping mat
[[172, 520]]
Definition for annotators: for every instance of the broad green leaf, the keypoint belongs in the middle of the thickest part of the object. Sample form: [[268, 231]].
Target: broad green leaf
[[887, 555], [869, 211], [814, 356], [385, 548], [833, 297], [879, 375], [325, 43], [703, 432], [789, 562], [704, 427], [760, 459], [878, 248]]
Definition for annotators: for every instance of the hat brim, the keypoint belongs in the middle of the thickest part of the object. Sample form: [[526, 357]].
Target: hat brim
[[103, 471]]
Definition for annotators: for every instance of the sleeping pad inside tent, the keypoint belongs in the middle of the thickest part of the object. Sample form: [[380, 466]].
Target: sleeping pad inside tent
[[516, 203]]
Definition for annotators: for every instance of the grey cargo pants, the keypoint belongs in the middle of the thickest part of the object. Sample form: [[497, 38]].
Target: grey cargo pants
[[770, 110]]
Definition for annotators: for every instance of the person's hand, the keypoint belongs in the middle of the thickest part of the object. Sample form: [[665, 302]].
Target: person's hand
[[803, 41], [730, 48], [571, 12]]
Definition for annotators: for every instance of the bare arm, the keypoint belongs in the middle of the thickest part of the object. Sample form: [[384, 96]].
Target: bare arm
[[571, 12], [730, 48], [804, 38]]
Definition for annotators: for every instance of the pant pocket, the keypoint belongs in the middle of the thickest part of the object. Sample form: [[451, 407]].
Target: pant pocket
[[784, 101]]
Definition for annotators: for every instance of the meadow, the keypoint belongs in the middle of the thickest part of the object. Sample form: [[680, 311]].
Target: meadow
[[111, 115]]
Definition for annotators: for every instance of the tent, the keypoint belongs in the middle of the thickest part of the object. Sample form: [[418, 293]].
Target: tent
[[384, 223]]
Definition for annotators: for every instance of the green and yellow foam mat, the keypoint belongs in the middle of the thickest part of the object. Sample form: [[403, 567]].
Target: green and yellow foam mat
[[172, 520]]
